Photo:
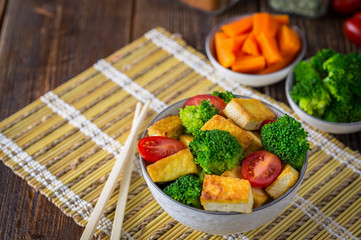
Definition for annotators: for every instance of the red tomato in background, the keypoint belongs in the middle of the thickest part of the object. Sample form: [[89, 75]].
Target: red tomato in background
[[266, 122], [352, 29], [155, 148], [346, 6], [216, 101], [261, 168]]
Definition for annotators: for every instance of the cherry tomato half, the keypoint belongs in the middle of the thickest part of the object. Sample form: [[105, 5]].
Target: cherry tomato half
[[261, 168], [266, 122], [216, 101], [346, 6], [352, 29], [155, 148]]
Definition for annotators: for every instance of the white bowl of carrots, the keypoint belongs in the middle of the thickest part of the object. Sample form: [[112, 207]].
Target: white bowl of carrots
[[255, 49]]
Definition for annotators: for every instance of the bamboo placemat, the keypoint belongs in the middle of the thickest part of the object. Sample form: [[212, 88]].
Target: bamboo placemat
[[65, 143]]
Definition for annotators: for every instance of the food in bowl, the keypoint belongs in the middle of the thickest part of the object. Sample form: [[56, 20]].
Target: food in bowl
[[257, 44], [216, 164], [328, 86]]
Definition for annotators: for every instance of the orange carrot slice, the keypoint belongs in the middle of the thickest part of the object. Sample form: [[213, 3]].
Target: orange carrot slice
[[249, 64], [282, 18], [238, 41], [280, 64], [269, 48], [265, 23], [289, 41], [224, 49], [241, 26], [250, 45]]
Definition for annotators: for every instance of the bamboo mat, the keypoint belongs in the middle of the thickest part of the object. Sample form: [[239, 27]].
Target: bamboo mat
[[65, 143]]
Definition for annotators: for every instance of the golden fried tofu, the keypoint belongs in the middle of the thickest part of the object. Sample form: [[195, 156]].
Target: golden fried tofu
[[255, 145], [186, 139], [248, 113], [235, 173], [170, 126], [221, 123], [287, 178], [226, 194], [173, 167], [259, 195]]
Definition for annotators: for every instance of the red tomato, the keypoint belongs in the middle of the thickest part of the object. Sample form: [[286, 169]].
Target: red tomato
[[261, 168], [346, 6], [155, 148], [352, 29], [216, 101], [266, 122]]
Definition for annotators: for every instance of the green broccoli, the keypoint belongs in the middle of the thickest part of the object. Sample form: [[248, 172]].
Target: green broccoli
[[318, 60], [338, 112], [216, 151], [194, 117], [225, 96], [308, 92], [186, 189], [286, 139], [344, 77]]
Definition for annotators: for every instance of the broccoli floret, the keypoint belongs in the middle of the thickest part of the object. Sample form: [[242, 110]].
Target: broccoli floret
[[318, 60], [225, 96], [194, 117], [338, 112], [216, 151], [186, 189], [286, 139], [308, 91]]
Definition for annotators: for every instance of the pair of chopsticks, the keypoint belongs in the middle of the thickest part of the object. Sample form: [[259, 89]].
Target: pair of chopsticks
[[125, 162]]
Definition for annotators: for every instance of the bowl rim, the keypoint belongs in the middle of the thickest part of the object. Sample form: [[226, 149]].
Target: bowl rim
[[213, 60], [290, 84], [268, 205]]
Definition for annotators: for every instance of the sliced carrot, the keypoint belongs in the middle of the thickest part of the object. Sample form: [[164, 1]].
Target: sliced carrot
[[249, 64], [269, 48], [224, 49], [238, 41], [250, 45], [241, 26], [283, 62], [265, 23], [289, 41], [282, 18]]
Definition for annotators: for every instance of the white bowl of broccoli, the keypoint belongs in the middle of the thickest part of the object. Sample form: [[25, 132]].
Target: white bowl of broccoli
[[325, 91], [215, 222]]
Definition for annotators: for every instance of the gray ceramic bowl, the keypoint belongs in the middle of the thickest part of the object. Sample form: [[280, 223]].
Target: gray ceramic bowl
[[254, 80], [331, 127], [219, 223]]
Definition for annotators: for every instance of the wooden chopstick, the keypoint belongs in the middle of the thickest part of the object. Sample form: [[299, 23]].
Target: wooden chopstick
[[123, 192], [114, 175]]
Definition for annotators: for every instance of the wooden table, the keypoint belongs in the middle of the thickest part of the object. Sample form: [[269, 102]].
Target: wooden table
[[45, 43]]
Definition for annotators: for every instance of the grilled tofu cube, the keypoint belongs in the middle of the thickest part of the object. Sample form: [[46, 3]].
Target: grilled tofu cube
[[226, 194], [259, 195], [221, 123], [256, 144], [186, 139], [173, 167], [170, 126], [248, 113], [287, 178]]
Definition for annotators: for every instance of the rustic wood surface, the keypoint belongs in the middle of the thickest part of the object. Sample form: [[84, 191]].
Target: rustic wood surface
[[45, 43]]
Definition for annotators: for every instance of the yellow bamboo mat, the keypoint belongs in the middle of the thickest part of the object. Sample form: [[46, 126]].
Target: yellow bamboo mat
[[65, 143]]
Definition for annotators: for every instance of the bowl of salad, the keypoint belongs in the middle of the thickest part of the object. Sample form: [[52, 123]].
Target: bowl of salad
[[255, 49], [222, 163], [324, 91]]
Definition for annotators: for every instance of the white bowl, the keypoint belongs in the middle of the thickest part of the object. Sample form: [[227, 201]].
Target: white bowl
[[218, 223], [331, 127], [253, 80]]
